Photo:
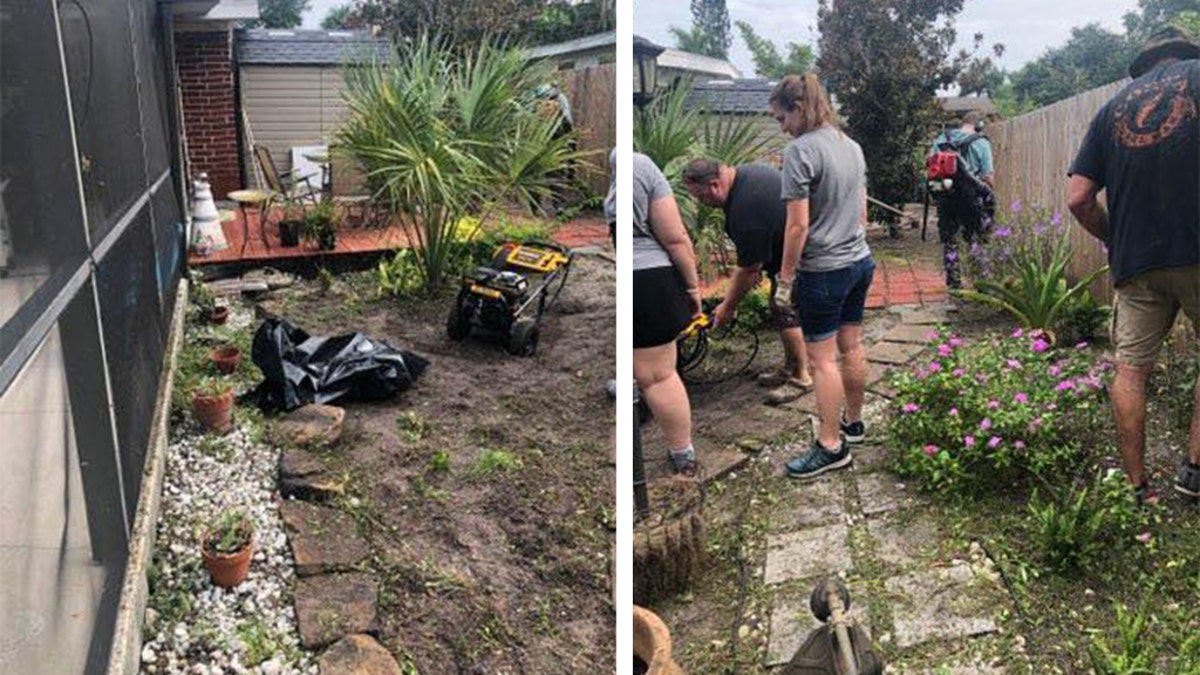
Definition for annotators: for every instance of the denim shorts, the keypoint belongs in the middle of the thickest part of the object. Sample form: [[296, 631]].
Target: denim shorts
[[829, 300]]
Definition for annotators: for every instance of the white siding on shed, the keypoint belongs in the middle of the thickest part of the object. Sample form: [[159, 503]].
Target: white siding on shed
[[287, 106]]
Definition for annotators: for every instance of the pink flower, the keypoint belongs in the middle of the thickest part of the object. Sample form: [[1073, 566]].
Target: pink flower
[[934, 367], [1065, 385], [1018, 333], [954, 412], [1054, 371], [1019, 445], [994, 442], [1082, 345], [934, 335], [969, 441], [993, 404], [985, 424], [1014, 364], [911, 407], [944, 350], [957, 372], [955, 342], [1040, 345], [1021, 397], [1145, 537], [931, 450]]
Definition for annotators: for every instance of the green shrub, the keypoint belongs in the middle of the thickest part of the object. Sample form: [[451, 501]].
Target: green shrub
[[1133, 655], [1081, 318], [754, 312], [980, 415], [1067, 530], [398, 276]]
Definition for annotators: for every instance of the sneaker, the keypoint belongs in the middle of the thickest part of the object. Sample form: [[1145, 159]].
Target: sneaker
[[817, 461], [1188, 481], [771, 378], [855, 432]]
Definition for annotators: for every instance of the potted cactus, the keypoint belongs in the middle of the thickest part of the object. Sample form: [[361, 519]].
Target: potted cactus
[[212, 405], [225, 549]]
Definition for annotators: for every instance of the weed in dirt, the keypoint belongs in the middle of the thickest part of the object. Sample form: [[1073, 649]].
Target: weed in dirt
[[215, 447], [424, 490], [259, 642], [492, 462], [411, 426], [324, 280], [439, 462]]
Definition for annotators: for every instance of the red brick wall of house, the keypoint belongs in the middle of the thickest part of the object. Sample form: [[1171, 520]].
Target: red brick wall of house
[[205, 65]]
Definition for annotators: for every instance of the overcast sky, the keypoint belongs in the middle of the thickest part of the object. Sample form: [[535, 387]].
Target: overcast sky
[[1026, 27]]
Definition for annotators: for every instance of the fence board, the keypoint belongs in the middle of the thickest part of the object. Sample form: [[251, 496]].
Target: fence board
[[1032, 155], [592, 92]]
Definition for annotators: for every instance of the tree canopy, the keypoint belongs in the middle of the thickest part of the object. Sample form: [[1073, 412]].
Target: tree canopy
[[280, 13], [469, 21], [709, 34], [768, 63], [337, 17]]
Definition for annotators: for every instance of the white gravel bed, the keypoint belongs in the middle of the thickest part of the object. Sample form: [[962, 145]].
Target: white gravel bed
[[193, 627]]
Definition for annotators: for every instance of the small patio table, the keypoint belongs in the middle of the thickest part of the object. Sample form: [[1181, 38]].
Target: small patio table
[[258, 201]]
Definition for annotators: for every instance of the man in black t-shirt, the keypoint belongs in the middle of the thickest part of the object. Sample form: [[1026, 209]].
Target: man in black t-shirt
[[1143, 149], [755, 219]]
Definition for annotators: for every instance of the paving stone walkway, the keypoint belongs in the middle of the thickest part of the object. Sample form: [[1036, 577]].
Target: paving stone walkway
[[864, 525]]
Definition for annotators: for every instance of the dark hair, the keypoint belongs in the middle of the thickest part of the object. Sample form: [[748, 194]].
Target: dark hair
[[701, 170], [972, 117], [804, 92]]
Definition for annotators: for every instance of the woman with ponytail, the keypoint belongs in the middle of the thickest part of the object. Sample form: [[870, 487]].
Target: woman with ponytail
[[827, 266]]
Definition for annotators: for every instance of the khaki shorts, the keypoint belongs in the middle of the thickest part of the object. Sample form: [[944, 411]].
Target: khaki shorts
[[1145, 311]]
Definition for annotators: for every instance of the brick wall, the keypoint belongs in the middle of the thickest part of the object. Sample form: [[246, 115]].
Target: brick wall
[[205, 65]]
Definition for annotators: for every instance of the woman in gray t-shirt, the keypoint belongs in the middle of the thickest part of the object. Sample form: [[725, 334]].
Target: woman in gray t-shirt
[[666, 294], [827, 267]]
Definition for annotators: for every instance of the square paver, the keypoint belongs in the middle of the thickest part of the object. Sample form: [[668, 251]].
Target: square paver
[[809, 504], [870, 458], [942, 603], [903, 542], [792, 621], [815, 552], [924, 317], [892, 353], [880, 493], [911, 333]]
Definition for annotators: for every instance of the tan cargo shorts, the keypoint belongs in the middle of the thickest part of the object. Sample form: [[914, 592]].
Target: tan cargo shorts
[[1146, 307]]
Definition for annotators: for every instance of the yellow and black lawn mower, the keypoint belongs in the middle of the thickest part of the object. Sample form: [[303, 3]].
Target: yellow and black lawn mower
[[508, 296]]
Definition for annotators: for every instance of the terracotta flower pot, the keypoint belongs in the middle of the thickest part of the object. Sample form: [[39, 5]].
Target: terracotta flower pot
[[652, 644], [226, 570], [218, 315], [226, 359], [214, 412]]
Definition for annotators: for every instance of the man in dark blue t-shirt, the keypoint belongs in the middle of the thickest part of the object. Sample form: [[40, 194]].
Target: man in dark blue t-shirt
[[1143, 149], [755, 217]]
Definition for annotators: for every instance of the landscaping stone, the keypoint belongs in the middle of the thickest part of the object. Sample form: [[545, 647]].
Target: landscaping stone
[[820, 551], [901, 542], [792, 621], [941, 603], [312, 425], [358, 655], [303, 475], [323, 539], [880, 493], [332, 606], [892, 353], [924, 317], [912, 334], [817, 502]]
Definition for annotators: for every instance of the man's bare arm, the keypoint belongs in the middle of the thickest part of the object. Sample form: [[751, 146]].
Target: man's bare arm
[[1082, 199]]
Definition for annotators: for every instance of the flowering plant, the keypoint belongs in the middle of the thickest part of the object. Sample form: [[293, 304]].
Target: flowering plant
[[1022, 269], [993, 411]]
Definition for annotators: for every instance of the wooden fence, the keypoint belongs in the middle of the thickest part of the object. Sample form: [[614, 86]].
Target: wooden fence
[[592, 92], [1032, 155]]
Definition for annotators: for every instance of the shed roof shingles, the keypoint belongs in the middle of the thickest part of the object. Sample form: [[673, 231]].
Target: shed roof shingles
[[307, 47]]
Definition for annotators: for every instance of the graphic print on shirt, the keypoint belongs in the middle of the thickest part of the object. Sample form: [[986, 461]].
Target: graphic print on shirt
[[1152, 112]]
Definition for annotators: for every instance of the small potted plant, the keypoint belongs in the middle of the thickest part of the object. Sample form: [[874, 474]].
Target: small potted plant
[[226, 358], [212, 405], [319, 227], [293, 223], [206, 302], [226, 548]]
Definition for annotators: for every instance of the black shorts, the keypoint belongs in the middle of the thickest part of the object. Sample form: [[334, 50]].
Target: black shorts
[[661, 308]]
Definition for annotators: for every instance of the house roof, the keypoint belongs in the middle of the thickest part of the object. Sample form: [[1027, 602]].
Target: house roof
[[697, 63], [213, 10], [583, 44], [963, 104], [731, 96], [268, 46]]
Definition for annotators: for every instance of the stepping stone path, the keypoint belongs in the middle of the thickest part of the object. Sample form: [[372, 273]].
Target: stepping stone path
[[302, 475], [358, 655], [312, 425], [864, 524], [323, 539], [332, 606]]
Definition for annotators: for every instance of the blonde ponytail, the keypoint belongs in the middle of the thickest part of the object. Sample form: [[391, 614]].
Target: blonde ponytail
[[805, 93]]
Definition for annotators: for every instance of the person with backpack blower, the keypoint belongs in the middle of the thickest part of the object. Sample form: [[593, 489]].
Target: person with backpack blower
[[958, 175]]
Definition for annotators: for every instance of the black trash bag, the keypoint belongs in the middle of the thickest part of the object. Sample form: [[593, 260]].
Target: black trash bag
[[301, 369]]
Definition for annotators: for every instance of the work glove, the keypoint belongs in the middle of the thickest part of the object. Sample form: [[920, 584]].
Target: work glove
[[783, 293]]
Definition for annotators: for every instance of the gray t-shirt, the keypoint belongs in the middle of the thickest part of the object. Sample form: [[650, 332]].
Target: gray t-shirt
[[827, 168], [649, 184]]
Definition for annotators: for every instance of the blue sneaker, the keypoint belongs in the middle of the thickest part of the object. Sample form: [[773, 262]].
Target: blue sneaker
[[854, 432], [817, 461]]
